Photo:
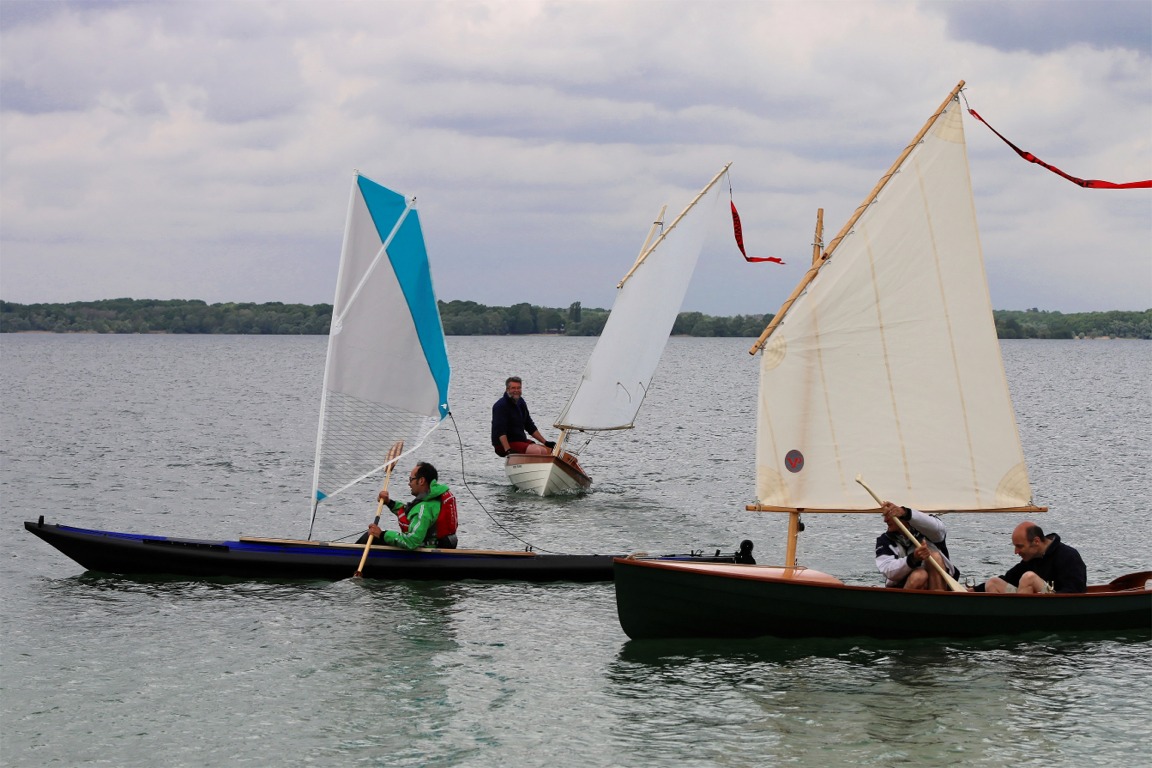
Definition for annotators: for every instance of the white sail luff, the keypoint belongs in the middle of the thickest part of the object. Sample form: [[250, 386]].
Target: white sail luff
[[315, 499], [887, 363]]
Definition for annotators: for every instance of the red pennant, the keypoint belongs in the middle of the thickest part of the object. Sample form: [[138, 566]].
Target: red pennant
[[739, 232], [1086, 183]]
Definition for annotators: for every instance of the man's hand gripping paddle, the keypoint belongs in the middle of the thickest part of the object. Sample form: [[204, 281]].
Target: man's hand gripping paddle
[[393, 454], [954, 585]]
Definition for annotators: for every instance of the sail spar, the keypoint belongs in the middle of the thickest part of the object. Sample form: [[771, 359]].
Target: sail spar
[[386, 375], [887, 363]]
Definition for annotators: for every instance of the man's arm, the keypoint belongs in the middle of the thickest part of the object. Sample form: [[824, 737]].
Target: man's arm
[[931, 526], [500, 425]]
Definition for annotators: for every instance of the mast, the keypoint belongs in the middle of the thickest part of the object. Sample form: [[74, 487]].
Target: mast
[[818, 237], [794, 524], [328, 364]]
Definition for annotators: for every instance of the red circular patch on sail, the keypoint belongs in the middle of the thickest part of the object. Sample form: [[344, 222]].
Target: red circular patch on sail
[[794, 461]]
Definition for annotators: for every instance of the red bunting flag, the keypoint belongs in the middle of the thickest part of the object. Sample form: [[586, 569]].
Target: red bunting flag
[[739, 232], [1086, 183]]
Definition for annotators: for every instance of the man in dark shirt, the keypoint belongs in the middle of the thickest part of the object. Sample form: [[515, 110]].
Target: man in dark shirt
[[1046, 565], [511, 424]]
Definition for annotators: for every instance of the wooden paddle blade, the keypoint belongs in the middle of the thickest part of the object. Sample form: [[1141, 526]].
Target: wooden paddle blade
[[394, 453]]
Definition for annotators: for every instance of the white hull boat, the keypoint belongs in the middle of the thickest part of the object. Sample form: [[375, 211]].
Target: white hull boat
[[546, 475]]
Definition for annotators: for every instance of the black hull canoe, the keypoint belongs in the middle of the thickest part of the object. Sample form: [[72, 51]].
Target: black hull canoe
[[657, 600], [255, 558]]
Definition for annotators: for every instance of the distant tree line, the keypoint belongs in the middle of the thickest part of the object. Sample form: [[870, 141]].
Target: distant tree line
[[468, 318], [175, 316], [1039, 324]]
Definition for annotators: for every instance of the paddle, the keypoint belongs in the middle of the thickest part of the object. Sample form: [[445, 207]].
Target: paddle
[[954, 585], [393, 454]]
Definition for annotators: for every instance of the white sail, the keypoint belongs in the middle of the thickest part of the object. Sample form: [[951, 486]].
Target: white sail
[[620, 368], [887, 363], [386, 376]]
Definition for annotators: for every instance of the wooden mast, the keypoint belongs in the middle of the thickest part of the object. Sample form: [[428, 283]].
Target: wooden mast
[[818, 238], [810, 275], [794, 525]]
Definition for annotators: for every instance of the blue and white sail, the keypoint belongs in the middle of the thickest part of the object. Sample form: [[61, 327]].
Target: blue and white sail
[[386, 375]]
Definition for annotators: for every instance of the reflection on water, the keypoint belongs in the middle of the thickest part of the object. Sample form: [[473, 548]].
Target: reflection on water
[[985, 702]]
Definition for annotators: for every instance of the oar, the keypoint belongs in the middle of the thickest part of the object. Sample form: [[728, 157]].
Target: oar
[[954, 585], [393, 454]]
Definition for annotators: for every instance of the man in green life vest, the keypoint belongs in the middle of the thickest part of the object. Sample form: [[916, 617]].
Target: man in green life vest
[[429, 520]]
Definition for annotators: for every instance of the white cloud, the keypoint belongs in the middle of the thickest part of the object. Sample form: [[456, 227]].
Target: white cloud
[[205, 150]]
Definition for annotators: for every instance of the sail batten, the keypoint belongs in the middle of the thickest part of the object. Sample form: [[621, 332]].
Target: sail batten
[[386, 374], [885, 359]]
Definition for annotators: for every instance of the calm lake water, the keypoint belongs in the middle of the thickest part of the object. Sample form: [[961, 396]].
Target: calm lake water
[[212, 436]]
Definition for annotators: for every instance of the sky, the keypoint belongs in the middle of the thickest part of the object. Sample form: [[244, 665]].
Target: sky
[[206, 150]]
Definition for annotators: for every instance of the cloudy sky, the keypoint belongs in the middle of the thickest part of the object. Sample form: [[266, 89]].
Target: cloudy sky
[[206, 149]]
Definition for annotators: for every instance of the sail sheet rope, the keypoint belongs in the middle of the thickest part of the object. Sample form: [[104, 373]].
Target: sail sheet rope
[[1086, 183]]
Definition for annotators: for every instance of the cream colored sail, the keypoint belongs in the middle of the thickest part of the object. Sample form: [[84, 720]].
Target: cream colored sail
[[887, 363]]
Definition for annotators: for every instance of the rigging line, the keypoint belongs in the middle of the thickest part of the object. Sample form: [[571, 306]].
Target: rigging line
[[464, 478]]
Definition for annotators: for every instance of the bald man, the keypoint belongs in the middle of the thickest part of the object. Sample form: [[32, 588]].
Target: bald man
[[1046, 565]]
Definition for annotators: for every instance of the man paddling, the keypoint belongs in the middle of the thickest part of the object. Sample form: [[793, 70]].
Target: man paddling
[[429, 520], [904, 563], [1046, 565]]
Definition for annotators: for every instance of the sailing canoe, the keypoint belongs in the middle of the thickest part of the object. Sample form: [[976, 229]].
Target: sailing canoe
[[884, 363], [619, 371], [657, 600], [135, 554]]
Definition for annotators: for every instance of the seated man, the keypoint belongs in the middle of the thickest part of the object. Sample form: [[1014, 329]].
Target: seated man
[[429, 520], [1046, 565], [904, 563], [511, 424]]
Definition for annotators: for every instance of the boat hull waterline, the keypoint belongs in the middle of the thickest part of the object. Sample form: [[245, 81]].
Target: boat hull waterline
[[262, 558], [687, 600]]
